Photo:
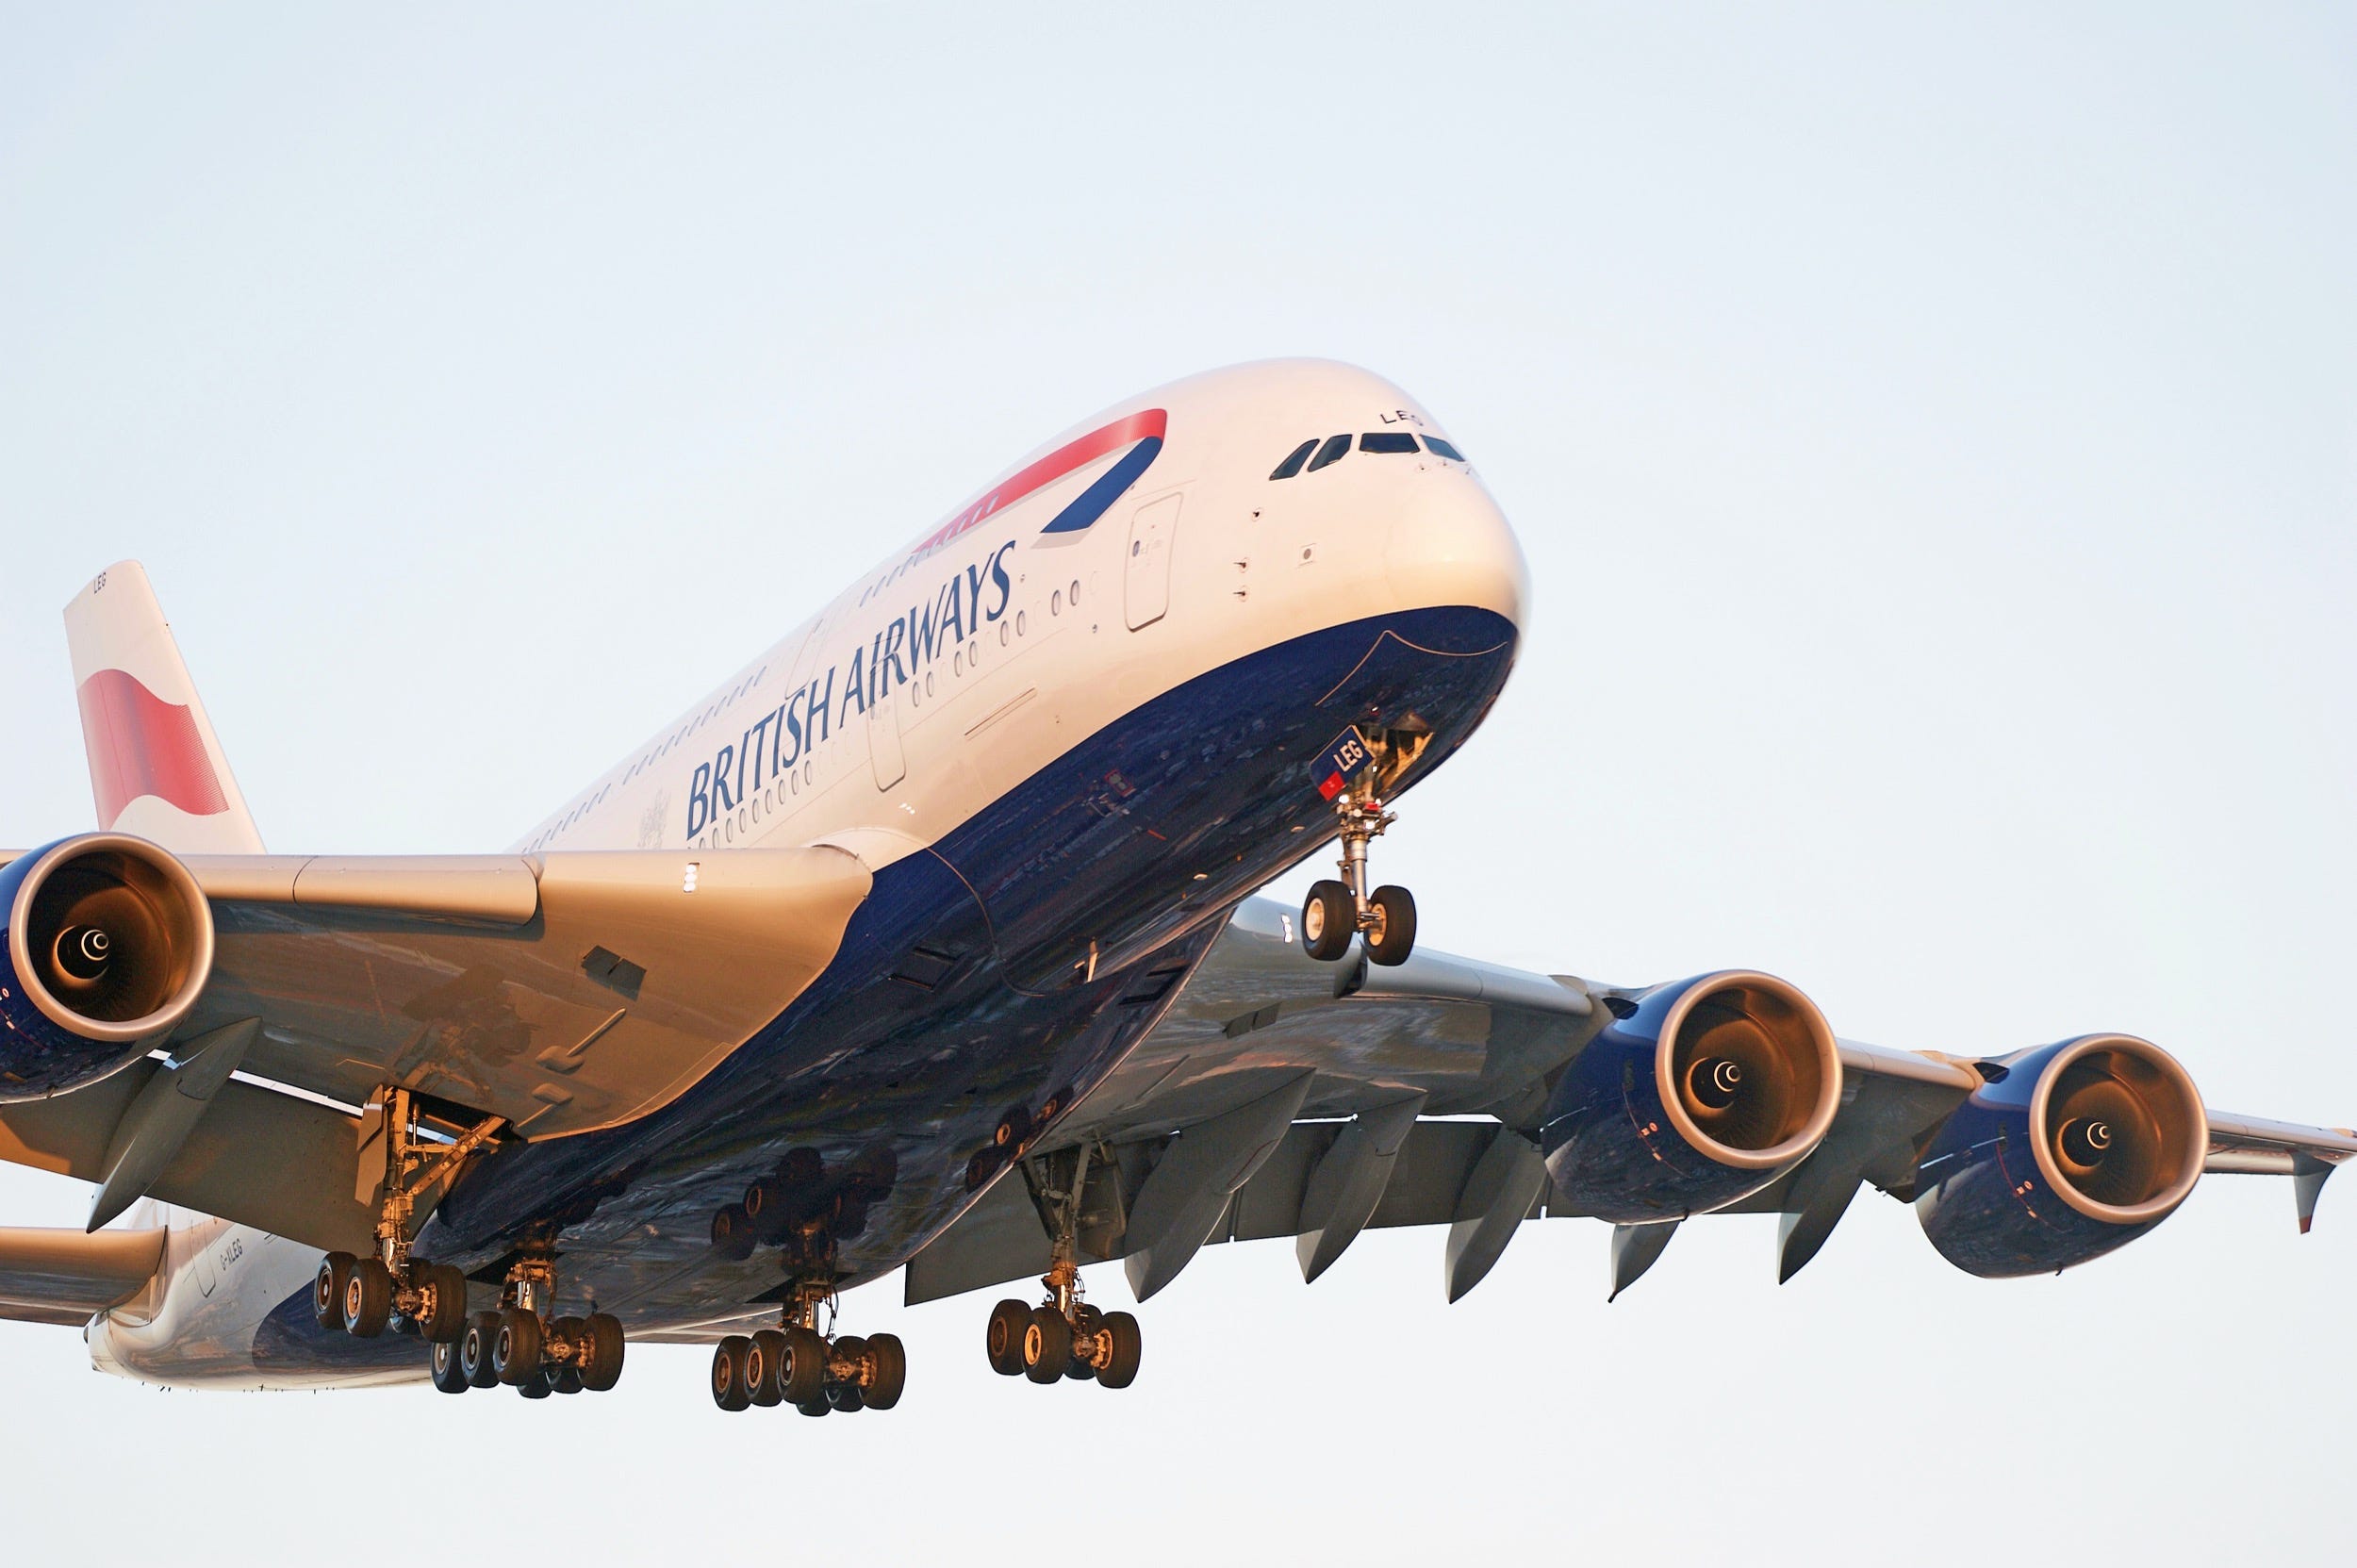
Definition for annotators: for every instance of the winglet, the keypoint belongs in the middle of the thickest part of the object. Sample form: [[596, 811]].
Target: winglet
[[155, 767]]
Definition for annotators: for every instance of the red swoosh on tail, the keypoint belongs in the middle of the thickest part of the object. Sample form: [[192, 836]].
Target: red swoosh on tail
[[142, 745]]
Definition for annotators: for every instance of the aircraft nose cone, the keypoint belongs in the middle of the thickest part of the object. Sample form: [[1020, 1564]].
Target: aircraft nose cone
[[1450, 545]]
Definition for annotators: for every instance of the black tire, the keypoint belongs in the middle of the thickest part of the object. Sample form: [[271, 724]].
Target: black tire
[[516, 1347], [445, 1318], [534, 1388], [1329, 917], [728, 1373], [765, 1378], [327, 1289], [1046, 1346], [1395, 935], [450, 1372], [601, 1368], [368, 1299], [474, 1349], [889, 1376], [815, 1407], [1005, 1342], [845, 1397], [565, 1379], [733, 1233], [765, 1208], [802, 1377], [1121, 1361]]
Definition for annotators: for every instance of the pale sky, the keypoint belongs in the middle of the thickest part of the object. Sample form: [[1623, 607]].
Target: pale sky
[[1934, 437]]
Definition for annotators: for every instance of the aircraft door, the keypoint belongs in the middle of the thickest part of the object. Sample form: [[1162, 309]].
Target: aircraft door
[[883, 741], [1153, 535]]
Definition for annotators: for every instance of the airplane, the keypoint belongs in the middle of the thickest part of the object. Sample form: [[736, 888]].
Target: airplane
[[927, 943]]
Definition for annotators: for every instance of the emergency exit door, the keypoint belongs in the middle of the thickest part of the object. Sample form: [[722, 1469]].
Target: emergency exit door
[[1153, 535]]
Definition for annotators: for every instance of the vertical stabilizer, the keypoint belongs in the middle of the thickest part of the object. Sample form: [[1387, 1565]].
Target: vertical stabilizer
[[155, 767]]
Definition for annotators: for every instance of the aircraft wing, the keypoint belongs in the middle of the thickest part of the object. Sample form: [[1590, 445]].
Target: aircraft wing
[[554, 993], [1284, 1098]]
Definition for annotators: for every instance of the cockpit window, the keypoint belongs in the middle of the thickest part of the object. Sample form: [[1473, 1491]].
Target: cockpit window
[[1332, 452], [1387, 441], [1441, 448], [1291, 464]]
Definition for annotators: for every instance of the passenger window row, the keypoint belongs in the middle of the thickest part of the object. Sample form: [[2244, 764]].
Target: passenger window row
[[1333, 449]]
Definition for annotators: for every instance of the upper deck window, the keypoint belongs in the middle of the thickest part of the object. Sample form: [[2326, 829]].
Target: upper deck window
[[1441, 448], [1291, 464], [1387, 441], [1334, 449]]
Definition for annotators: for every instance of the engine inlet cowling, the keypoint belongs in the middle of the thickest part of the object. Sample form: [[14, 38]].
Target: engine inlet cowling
[[1697, 1094], [109, 942], [2065, 1153]]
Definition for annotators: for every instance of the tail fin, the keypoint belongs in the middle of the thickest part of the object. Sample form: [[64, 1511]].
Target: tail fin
[[155, 765]]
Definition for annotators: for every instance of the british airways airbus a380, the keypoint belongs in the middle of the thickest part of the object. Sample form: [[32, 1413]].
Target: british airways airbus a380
[[926, 944]]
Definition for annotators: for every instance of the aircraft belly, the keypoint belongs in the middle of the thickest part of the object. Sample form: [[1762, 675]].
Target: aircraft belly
[[1011, 966]]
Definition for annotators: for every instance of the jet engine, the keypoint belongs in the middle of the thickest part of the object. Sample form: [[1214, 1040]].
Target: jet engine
[[1697, 1094], [108, 943], [2065, 1153]]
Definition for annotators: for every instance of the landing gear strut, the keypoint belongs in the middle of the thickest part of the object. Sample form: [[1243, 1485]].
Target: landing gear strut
[[518, 1344], [796, 1365], [1336, 911], [1064, 1336]]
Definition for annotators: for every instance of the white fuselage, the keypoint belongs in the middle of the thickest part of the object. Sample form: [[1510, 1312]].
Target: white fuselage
[[957, 668]]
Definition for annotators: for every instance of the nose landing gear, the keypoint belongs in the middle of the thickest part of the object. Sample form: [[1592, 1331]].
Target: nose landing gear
[[1354, 770], [816, 1374]]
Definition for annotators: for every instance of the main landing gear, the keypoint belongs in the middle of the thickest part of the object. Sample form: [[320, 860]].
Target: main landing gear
[[518, 1344], [1336, 911], [1064, 1336], [816, 1374]]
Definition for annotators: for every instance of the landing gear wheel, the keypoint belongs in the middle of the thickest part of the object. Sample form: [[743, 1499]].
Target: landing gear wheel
[[728, 1373], [888, 1371], [450, 1372], [815, 1407], [565, 1376], [1005, 1343], [327, 1291], [733, 1233], [445, 1318], [534, 1388], [601, 1367], [1088, 1324], [1046, 1346], [368, 1299], [765, 1371], [474, 1349], [852, 1394], [1393, 935], [1328, 918], [804, 1375], [516, 1347], [1120, 1367]]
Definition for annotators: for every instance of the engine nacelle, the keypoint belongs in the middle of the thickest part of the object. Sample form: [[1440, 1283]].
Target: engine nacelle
[[107, 942], [1703, 1092], [2066, 1152]]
